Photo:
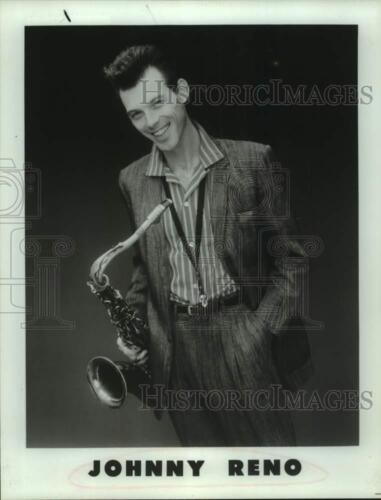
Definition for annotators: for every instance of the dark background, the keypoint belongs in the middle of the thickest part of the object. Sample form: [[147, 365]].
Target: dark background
[[78, 135]]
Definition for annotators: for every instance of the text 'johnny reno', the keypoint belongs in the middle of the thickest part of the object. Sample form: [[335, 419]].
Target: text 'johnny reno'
[[168, 468]]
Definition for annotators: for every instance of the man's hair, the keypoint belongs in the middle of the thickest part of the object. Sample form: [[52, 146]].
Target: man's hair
[[128, 67]]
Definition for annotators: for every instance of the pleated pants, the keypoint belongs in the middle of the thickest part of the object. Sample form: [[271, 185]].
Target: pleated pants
[[216, 355]]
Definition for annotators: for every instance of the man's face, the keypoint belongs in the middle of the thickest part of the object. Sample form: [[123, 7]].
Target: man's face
[[154, 109]]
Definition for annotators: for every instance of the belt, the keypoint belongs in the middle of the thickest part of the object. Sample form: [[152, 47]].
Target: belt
[[213, 306]]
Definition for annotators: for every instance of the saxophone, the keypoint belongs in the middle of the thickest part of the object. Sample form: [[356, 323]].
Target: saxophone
[[108, 379]]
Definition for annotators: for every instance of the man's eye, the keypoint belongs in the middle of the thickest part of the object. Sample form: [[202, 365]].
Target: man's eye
[[135, 116], [158, 102]]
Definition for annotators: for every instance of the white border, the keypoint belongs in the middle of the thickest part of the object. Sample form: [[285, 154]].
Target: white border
[[329, 471]]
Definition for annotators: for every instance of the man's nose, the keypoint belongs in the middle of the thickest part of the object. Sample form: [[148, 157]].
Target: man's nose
[[152, 120]]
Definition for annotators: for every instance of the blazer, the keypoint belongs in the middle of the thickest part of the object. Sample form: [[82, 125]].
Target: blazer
[[249, 218]]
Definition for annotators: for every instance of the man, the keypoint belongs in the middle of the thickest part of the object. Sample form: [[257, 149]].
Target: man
[[204, 277]]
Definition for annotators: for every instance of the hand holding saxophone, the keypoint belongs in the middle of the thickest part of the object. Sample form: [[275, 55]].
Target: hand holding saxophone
[[135, 355]]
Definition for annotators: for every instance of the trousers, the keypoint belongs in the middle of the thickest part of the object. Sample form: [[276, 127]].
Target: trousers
[[223, 365]]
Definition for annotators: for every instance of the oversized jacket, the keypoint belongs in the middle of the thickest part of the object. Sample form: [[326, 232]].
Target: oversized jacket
[[254, 237]]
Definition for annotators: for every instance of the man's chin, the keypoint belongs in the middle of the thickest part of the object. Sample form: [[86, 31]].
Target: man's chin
[[166, 146]]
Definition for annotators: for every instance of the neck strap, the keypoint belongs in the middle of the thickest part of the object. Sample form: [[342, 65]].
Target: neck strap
[[194, 258]]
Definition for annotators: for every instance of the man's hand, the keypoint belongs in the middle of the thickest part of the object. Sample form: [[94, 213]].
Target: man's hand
[[136, 356]]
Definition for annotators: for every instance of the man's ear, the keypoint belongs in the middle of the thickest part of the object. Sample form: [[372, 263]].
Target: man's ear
[[182, 91]]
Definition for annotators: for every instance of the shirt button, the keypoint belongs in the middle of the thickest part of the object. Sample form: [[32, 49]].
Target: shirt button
[[191, 244], [186, 203]]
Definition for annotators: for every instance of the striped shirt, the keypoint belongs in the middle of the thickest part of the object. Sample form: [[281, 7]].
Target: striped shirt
[[216, 281]]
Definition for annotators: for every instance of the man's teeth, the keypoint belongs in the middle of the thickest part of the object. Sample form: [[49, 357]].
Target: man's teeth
[[161, 131]]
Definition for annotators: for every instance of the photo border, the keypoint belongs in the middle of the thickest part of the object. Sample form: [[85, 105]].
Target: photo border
[[61, 473]]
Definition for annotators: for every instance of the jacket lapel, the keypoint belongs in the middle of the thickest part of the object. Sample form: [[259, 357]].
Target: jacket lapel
[[217, 191]]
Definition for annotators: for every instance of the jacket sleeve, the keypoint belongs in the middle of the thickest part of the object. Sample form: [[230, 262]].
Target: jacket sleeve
[[281, 249], [136, 295]]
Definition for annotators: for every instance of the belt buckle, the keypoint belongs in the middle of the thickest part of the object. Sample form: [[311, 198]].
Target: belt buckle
[[189, 310]]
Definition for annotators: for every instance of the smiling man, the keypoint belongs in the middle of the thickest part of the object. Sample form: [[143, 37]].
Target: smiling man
[[213, 294], [153, 109]]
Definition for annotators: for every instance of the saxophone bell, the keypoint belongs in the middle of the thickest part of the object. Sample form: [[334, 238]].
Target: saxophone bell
[[111, 381], [108, 380]]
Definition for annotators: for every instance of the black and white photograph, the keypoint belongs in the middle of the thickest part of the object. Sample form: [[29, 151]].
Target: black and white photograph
[[188, 226], [235, 314]]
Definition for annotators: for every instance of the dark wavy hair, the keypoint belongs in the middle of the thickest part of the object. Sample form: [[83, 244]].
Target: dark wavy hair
[[128, 67]]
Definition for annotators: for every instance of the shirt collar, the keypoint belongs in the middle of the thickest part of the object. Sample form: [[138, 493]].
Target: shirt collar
[[209, 154]]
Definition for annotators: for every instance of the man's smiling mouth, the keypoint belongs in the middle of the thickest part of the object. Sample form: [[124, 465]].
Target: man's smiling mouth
[[161, 131]]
